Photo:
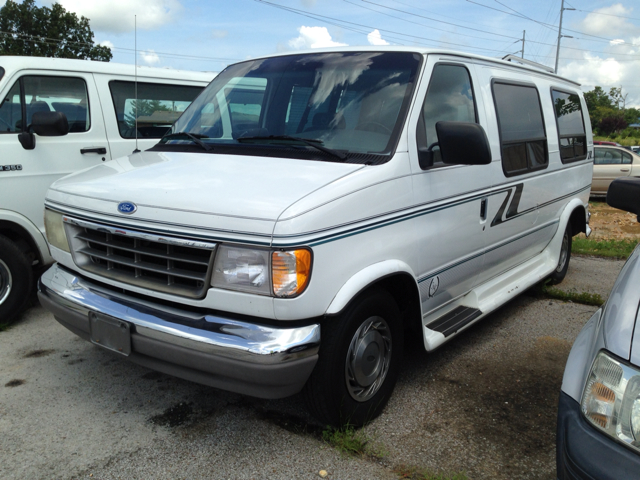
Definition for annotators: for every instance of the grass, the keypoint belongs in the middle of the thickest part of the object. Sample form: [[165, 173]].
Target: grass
[[603, 248], [352, 441], [585, 298], [4, 326], [415, 473]]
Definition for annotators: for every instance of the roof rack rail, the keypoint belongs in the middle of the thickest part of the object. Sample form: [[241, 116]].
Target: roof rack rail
[[513, 58]]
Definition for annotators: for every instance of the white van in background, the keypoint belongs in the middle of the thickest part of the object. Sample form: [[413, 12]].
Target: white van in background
[[97, 101]]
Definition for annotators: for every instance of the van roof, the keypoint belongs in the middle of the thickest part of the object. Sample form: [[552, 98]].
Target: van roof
[[429, 51], [13, 63]]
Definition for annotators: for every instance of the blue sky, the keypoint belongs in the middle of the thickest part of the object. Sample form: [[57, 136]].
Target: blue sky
[[605, 49]]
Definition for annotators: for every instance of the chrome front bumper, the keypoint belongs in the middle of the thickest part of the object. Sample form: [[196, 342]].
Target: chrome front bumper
[[259, 360]]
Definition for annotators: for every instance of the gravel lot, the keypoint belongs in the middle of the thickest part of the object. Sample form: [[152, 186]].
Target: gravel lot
[[484, 404]]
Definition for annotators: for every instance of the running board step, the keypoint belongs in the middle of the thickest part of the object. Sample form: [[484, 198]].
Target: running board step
[[454, 320]]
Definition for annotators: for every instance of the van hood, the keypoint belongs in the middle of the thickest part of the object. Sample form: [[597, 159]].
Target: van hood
[[201, 190]]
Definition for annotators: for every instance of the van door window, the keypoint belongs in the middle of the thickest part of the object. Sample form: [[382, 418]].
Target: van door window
[[449, 98], [573, 141], [58, 94], [523, 138], [11, 111], [157, 106]]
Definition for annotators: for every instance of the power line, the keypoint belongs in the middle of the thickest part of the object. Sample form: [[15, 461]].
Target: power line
[[55, 41], [606, 14], [519, 15]]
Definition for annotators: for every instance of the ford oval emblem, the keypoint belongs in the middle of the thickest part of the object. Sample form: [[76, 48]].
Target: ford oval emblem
[[127, 207]]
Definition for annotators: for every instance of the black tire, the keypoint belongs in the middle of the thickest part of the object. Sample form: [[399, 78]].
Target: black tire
[[563, 262], [340, 393], [16, 280]]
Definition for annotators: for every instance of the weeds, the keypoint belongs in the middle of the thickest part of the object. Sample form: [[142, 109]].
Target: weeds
[[603, 248], [354, 442], [543, 290], [4, 326], [415, 473]]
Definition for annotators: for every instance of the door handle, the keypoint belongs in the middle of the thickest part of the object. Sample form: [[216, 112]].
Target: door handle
[[98, 150], [483, 209], [624, 169]]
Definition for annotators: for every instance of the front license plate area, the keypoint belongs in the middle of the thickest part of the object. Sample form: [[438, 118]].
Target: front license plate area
[[110, 333]]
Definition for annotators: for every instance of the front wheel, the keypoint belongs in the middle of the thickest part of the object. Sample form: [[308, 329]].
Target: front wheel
[[359, 361], [563, 262], [16, 279]]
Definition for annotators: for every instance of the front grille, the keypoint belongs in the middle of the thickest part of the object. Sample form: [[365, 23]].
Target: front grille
[[164, 264]]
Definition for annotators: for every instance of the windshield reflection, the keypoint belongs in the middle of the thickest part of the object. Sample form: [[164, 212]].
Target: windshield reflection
[[351, 102]]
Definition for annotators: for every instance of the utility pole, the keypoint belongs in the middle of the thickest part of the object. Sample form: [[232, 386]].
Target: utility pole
[[562, 9], [523, 35]]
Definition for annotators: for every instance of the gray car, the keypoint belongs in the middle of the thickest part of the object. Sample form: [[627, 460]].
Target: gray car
[[599, 410]]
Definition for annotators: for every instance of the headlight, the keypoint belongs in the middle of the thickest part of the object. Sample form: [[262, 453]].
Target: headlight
[[611, 399], [281, 273], [54, 227], [290, 272], [243, 269]]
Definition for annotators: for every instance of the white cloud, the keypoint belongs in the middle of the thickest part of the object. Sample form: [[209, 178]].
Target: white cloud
[[616, 41], [118, 15], [605, 72], [107, 43], [150, 57], [375, 38], [219, 33], [604, 25], [314, 37], [309, 3]]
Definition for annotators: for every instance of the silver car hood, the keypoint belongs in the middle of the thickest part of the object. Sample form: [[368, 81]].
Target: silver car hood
[[620, 315]]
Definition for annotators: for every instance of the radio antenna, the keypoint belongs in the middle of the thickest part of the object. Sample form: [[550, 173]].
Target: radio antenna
[[135, 82]]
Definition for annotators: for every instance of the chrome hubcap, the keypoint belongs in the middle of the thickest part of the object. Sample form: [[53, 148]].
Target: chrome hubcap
[[563, 252], [368, 359], [5, 282]]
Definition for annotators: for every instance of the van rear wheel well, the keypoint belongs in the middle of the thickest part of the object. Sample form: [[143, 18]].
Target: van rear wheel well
[[578, 221]]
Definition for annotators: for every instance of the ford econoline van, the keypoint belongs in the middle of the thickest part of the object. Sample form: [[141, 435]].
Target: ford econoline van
[[309, 210], [58, 116]]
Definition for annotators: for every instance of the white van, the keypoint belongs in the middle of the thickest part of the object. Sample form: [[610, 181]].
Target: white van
[[95, 103], [310, 208]]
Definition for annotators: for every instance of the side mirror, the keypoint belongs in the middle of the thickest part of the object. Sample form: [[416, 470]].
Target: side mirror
[[50, 124], [624, 193], [463, 143]]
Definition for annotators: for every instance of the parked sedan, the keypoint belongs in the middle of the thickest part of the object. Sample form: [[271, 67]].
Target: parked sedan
[[611, 163], [599, 411]]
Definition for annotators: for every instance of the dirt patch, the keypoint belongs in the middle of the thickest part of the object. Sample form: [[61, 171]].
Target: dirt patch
[[173, 416], [14, 383], [38, 353], [509, 405], [608, 222]]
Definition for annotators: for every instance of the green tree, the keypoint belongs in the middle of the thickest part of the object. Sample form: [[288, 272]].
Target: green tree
[[26, 29]]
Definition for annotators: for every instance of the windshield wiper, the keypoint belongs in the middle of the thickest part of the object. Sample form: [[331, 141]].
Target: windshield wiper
[[312, 142], [193, 137]]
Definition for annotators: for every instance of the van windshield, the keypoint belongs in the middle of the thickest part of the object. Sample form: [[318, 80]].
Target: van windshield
[[345, 102]]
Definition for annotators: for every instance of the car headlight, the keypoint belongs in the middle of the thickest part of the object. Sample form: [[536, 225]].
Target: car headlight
[[54, 227], [283, 273], [611, 399]]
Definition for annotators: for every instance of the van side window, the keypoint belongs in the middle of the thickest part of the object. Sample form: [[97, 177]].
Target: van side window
[[449, 98], [573, 141], [11, 111], [523, 139], [158, 106], [58, 94]]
